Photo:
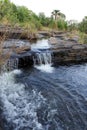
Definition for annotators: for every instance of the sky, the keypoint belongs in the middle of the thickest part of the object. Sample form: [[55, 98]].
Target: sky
[[73, 9]]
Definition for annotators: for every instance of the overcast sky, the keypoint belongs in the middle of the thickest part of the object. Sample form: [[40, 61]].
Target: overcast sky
[[73, 9]]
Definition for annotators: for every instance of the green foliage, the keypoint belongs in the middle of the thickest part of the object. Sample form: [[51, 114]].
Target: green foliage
[[23, 14], [57, 21], [10, 14], [83, 25], [43, 19], [53, 24], [72, 25], [82, 38], [62, 25], [17, 15]]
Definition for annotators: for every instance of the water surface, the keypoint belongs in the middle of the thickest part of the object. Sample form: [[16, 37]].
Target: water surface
[[37, 100], [44, 97]]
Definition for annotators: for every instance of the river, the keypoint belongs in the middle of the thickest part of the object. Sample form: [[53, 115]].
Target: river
[[44, 97]]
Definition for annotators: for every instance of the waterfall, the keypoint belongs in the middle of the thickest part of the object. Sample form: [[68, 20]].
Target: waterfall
[[42, 54], [42, 58], [42, 61], [11, 64]]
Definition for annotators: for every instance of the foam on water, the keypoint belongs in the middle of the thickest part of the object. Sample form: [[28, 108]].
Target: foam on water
[[19, 106], [43, 62], [45, 68]]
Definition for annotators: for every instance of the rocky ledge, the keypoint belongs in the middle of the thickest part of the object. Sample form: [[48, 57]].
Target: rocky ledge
[[63, 52], [67, 51]]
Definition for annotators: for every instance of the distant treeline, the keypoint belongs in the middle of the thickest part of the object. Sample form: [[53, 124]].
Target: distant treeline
[[20, 16]]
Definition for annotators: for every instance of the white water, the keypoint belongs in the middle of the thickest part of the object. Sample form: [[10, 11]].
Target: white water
[[19, 105], [45, 68], [42, 59], [43, 62], [41, 44]]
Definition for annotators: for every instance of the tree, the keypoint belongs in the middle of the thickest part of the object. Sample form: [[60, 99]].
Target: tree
[[42, 18], [56, 14], [62, 16], [22, 13]]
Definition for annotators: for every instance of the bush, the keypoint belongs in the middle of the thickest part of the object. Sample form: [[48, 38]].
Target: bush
[[83, 25], [62, 25]]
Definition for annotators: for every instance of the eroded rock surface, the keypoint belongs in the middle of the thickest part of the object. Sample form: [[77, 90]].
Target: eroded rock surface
[[63, 51], [66, 51]]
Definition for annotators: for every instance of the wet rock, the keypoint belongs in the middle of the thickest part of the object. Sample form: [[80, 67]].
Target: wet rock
[[65, 52], [15, 43], [20, 53], [16, 46]]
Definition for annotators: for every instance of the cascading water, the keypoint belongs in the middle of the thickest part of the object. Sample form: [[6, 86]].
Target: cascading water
[[42, 61], [33, 100], [42, 56], [11, 64]]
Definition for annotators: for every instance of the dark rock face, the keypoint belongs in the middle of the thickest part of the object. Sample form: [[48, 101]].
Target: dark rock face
[[20, 53], [65, 52], [21, 60]]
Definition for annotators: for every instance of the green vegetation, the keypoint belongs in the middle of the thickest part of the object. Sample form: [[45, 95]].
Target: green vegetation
[[20, 16], [82, 38], [13, 15], [83, 25]]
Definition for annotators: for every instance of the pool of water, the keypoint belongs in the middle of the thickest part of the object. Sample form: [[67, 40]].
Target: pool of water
[[44, 97], [33, 99]]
